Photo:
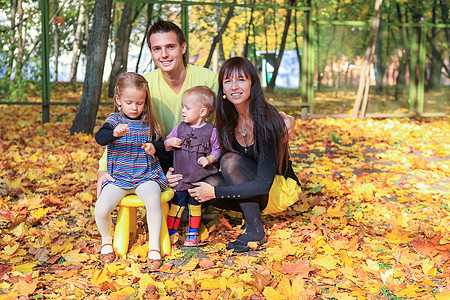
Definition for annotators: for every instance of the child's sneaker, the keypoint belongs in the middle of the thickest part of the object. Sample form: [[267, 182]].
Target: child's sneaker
[[191, 239]]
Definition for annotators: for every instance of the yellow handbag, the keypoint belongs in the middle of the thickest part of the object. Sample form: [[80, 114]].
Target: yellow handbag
[[283, 193]]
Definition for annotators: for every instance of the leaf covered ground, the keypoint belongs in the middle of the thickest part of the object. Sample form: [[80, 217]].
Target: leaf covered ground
[[373, 221]]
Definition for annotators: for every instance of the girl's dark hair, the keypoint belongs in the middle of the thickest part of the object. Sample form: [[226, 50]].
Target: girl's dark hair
[[137, 81], [161, 26], [269, 129]]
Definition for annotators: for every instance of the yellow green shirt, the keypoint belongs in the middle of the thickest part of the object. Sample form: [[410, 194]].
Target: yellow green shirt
[[166, 103]]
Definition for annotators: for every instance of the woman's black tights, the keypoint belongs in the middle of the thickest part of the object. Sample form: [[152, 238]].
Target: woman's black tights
[[237, 169]]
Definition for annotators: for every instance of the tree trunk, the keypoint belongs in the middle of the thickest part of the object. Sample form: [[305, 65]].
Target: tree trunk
[[287, 22], [122, 42], [297, 50], [364, 82], [87, 110], [327, 48], [12, 39], [56, 41], [219, 35], [247, 37], [21, 42], [147, 27], [379, 67], [87, 22], [435, 63], [76, 43]]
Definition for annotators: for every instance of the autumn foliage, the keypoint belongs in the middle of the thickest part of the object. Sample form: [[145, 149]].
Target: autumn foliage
[[373, 221]]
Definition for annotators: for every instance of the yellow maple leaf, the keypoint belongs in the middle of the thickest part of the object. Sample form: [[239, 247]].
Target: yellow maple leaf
[[326, 261], [75, 256], [20, 229], [409, 292], [26, 268], [398, 236], [212, 284], [61, 248], [39, 213], [60, 224], [99, 276], [123, 293], [270, 293], [445, 295], [203, 232], [427, 266], [9, 250], [335, 212], [191, 265]]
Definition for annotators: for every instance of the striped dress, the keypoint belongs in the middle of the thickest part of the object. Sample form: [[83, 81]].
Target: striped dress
[[127, 162]]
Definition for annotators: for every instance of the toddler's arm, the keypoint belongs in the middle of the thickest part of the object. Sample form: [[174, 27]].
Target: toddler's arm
[[206, 160], [171, 143], [105, 135]]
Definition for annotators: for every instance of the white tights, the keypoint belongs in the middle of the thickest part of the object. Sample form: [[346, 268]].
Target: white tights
[[150, 193]]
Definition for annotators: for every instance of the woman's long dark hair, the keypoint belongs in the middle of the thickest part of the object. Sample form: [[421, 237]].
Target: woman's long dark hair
[[269, 129]]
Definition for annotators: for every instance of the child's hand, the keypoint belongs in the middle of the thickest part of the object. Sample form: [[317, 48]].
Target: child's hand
[[149, 148], [172, 143], [120, 130], [203, 161]]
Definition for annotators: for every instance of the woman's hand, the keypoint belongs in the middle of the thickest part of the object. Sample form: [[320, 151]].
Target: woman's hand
[[202, 192], [102, 176], [173, 179]]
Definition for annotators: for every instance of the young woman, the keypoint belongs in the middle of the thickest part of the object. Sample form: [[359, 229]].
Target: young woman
[[253, 141]]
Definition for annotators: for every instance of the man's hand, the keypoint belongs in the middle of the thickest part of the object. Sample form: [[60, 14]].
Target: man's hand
[[120, 130], [173, 179], [102, 176], [289, 121]]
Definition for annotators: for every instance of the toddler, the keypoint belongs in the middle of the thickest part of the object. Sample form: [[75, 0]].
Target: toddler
[[196, 149], [133, 135]]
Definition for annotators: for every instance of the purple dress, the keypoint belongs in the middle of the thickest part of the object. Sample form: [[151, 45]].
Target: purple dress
[[195, 143]]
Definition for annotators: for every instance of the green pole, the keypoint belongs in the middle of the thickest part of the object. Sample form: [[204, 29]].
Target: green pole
[[311, 68], [44, 62], [185, 26], [305, 60], [412, 74], [422, 59]]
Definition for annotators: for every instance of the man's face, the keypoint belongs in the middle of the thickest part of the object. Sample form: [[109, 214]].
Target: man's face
[[167, 51]]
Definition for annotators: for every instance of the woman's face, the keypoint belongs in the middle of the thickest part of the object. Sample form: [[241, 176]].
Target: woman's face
[[237, 88]]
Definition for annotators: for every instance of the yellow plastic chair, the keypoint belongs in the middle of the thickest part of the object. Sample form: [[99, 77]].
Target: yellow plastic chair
[[126, 223]]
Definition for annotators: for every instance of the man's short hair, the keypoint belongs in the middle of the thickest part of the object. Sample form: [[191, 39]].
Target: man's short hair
[[161, 26]]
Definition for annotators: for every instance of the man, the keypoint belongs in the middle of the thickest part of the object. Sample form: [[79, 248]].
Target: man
[[167, 84]]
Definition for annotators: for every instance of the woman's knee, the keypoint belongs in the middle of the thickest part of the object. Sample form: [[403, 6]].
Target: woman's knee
[[229, 161]]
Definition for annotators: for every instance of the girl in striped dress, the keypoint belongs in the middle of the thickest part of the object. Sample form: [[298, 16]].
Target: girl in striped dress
[[133, 136]]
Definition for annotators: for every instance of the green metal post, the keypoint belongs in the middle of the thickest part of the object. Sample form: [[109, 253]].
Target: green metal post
[[422, 60], [185, 26], [412, 74], [311, 68], [305, 59], [44, 62]]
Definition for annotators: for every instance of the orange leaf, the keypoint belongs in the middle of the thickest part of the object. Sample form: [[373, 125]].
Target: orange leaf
[[225, 222], [425, 248], [301, 267], [204, 263]]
